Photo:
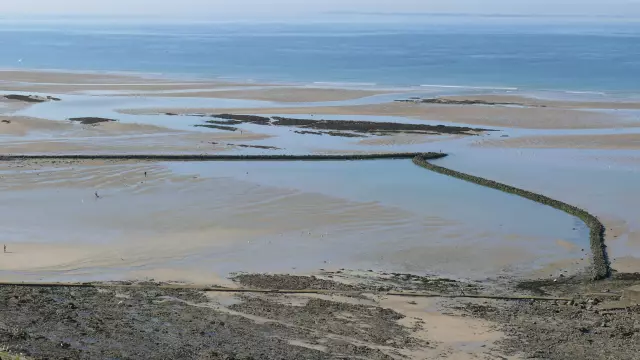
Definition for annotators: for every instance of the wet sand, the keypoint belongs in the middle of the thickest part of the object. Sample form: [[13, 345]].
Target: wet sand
[[279, 94], [33, 135], [603, 141], [510, 117], [591, 179], [406, 139], [139, 85], [61, 77], [529, 101], [77, 82], [311, 221], [26, 135], [10, 106]]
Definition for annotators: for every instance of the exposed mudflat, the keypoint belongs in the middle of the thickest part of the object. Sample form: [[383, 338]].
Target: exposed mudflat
[[155, 322], [292, 282], [593, 326], [544, 330]]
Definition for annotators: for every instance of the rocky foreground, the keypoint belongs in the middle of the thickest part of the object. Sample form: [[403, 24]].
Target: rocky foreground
[[342, 316]]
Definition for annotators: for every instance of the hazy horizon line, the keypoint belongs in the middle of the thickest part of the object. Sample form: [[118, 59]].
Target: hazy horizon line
[[332, 15], [321, 14]]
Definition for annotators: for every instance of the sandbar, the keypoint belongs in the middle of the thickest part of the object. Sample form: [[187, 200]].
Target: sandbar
[[604, 142], [24, 135], [536, 102], [278, 94], [60, 82], [510, 117]]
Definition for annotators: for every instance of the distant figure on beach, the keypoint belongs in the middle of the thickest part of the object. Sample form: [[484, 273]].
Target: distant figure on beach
[[97, 196], [5, 248], [145, 174]]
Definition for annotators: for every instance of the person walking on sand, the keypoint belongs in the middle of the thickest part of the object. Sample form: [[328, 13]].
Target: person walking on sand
[[5, 248]]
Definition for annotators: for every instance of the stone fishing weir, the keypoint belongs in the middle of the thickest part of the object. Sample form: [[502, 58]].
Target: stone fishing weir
[[601, 266]]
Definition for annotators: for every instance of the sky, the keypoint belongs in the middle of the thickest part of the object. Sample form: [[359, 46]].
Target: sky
[[284, 8]]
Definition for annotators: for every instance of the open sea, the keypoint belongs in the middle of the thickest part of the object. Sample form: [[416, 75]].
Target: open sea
[[596, 55]]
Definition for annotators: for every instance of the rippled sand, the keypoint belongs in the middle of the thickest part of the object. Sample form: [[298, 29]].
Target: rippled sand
[[184, 225], [55, 225]]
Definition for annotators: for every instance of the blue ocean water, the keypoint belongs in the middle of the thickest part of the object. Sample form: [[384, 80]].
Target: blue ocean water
[[595, 55]]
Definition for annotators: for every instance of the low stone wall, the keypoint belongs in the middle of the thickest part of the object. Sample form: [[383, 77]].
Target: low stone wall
[[601, 266], [196, 157]]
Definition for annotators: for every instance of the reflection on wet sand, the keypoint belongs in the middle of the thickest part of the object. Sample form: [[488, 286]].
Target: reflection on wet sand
[[219, 218], [592, 180]]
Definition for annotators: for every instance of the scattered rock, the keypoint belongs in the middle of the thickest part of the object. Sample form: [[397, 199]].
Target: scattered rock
[[91, 120], [31, 98], [219, 127], [251, 146], [290, 282], [632, 295], [444, 101], [306, 132], [347, 128]]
